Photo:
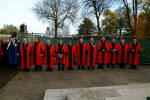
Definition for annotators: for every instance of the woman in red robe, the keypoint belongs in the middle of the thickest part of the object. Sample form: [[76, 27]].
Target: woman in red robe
[[60, 55], [112, 53], [37, 54], [81, 49], [25, 50], [122, 53], [49, 54], [91, 51], [134, 51], [102, 53], [70, 54]]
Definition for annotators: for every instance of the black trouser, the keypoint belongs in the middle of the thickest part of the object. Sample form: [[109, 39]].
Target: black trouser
[[133, 67], [122, 65], [14, 66], [38, 68], [91, 67], [112, 65], [49, 69], [61, 68], [100, 66], [81, 67]]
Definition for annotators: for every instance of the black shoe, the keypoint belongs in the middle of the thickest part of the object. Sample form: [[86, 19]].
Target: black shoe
[[112, 66], [98, 67], [83, 67], [93, 68], [78, 67], [88, 68], [107, 65]]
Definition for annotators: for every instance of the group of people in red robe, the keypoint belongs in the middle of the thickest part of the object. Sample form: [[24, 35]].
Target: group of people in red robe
[[107, 54]]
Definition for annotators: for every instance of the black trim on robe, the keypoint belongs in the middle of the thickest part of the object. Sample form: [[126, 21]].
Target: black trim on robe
[[103, 47], [123, 52], [133, 53], [70, 56], [81, 52], [91, 54], [35, 52], [25, 53], [48, 55]]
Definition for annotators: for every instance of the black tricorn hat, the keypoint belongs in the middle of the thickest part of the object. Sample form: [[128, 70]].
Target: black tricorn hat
[[14, 34]]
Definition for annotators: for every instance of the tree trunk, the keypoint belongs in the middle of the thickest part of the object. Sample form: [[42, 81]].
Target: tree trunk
[[56, 28], [135, 24], [98, 25]]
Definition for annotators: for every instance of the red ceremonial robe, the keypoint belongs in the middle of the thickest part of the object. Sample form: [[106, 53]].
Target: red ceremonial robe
[[52, 54], [134, 56], [112, 55], [102, 57], [60, 49], [73, 53], [122, 53], [28, 59], [80, 54], [92, 51], [39, 51]]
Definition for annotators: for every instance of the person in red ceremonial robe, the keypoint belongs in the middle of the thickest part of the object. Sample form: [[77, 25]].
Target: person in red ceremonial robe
[[25, 50], [112, 53], [49, 54], [37, 54], [81, 50], [91, 51], [102, 53], [70, 54], [122, 53], [134, 51], [60, 55]]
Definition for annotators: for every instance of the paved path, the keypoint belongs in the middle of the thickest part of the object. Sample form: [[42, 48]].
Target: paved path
[[123, 92], [32, 85]]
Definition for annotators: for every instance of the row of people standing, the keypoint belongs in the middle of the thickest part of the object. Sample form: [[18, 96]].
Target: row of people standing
[[65, 54]]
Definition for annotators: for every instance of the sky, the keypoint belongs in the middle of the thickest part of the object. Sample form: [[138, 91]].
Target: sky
[[17, 12]]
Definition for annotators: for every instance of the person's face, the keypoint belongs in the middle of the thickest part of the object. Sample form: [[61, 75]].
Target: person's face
[[134, 41], [70, 43], [113, 40], [36, 40], [7, 40], [48, 42], [13, 38], [122, 41], [103, 38], [81, 40], [19, 41], [25, 41], [4, 41], [92, 40], [60, 41]]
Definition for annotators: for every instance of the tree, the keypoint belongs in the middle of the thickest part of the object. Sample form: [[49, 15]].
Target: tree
[[97, 7], [132, 22], [9, 29], [87, 27], [144, 20], [122, 19], [56, 12], [126, 4], [110, 23]]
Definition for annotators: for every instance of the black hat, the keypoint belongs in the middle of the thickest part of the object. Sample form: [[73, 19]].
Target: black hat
[[14, 34]]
